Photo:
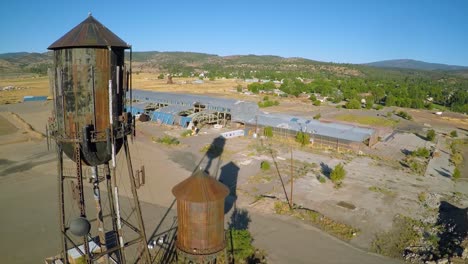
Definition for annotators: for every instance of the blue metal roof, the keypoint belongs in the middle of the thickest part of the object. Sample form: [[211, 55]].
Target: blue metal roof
[[239, 110], [173, 109]]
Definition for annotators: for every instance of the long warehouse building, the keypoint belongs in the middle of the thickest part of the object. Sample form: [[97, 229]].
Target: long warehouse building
[[186, 109]]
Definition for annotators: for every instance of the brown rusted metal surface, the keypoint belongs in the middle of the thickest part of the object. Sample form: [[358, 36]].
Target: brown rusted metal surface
[[81, 78], [89, 33], [200, 211]]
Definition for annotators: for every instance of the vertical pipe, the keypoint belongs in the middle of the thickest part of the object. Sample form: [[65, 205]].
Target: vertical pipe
[[94, 99], [99, 215], [112, 209], [111, 120], [130, 79], [61, 203]]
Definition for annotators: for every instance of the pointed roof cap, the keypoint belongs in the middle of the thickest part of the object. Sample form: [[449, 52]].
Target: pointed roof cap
[[89, 33], [199, 188]]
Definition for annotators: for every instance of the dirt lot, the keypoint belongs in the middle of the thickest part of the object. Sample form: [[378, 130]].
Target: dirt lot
[[376, 185], [28, 184]]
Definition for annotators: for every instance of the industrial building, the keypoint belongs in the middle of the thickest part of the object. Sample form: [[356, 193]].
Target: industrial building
[[322, 134], [183, 109], [186, 109]]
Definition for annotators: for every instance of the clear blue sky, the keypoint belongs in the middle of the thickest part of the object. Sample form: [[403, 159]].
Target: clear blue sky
[[339, 31]]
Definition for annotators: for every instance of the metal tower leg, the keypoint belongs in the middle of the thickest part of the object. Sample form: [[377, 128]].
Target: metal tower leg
[[146, 255], [110, 179], [61, 204]]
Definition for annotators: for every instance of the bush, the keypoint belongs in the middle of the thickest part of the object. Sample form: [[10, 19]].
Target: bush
[[168, 140], [303, 138], [337, 175], [404, 115], [456, 158], [454, 134], [317, 103], [267, 103], [353, 104], [421, 152], [430, 136], [161, 76], [268, 132], [265, 165], [456, 174], [317, 116], [322, 179], [379, 107], [389, 114], [186, 133], [239, 88], [241, 244], [394, 242], [422, 196]]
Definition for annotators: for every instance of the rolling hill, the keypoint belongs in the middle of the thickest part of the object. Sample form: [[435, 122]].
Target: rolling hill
[[416, 65]]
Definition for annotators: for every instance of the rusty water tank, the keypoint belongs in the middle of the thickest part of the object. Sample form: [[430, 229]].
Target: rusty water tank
[[200, 212], [88, 67]]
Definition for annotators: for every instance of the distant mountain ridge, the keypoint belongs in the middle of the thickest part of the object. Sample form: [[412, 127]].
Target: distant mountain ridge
[[193, 62], [416, 65]]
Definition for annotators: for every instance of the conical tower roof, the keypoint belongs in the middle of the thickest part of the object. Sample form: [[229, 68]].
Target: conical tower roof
[[199, 188], [89, 33]]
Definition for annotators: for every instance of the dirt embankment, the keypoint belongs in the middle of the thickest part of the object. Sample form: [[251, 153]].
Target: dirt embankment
[[16, 129]]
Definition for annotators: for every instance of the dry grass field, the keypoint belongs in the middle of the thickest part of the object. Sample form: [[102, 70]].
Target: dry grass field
[[30, 85], [149, 81]]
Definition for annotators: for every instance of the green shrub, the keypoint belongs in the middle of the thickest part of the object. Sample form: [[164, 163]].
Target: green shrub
[[263, 104], [353, 104], [456, 174], [454, 134], [430, 136], [422, 196], [337, 175], [186, 133], [456, 158], [317, 103], [303, 138], [379, 107], [404, 115], [239, 88], [389, 114], [317, 116], [322, 179], [241, 244], [402, 235], [265, 165], [421, 152], [168, 140], [268, 131]]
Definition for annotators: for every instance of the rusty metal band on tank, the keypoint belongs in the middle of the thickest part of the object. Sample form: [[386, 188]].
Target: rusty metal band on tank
[[89, 68], [200, 212]]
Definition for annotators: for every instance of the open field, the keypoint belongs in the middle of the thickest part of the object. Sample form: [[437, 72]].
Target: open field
[[22, 86], [367, 120]]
